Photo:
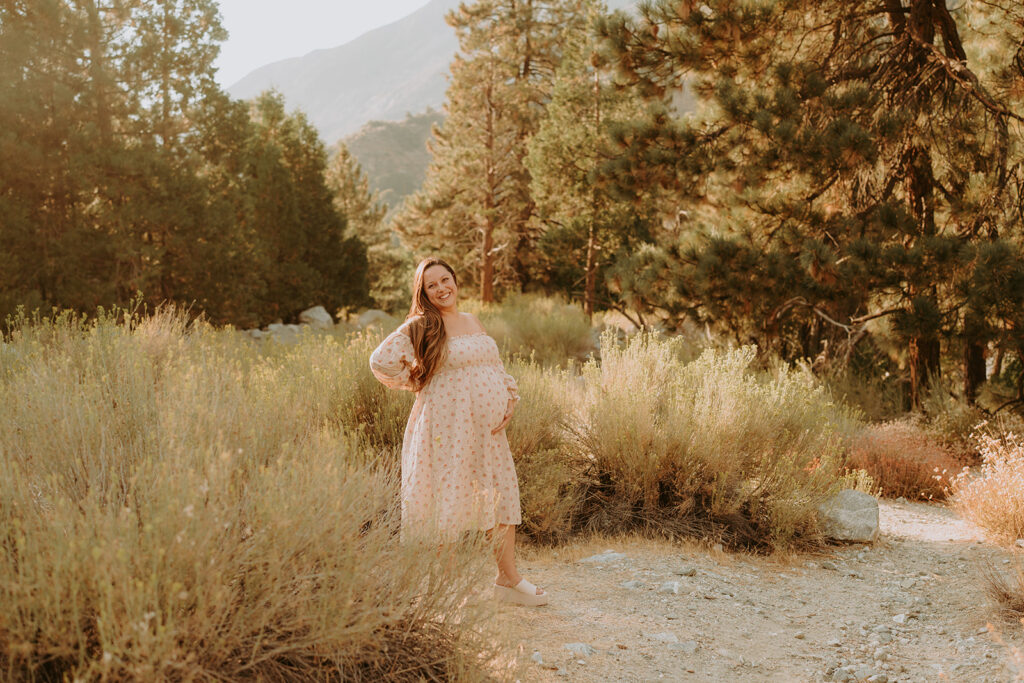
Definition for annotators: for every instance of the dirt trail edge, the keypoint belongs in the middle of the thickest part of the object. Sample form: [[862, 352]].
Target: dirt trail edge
[[909, 608]]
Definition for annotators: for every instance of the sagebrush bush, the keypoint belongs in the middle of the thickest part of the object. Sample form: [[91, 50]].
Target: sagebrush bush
[[546, 464], [547, 329], [177, 504], [904, 460], [993, 497], [707, 447]]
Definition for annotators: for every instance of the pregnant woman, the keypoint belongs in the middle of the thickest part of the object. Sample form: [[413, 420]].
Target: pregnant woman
[[457, 469]]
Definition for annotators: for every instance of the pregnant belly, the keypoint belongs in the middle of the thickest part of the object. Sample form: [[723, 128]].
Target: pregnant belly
[[490, 398]]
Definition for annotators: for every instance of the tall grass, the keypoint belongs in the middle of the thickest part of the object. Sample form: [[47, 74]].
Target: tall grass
[[547, 329], [707, 447], [177, 505]]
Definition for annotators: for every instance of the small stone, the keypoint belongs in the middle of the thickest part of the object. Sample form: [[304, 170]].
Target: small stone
[[537, 657], [687, 571], [900, 618], [884, 638], [669, 587], [834, 642], [880, 654], [863, 673], [829, 565], [605, 557], [907, 583], [664, 636], [841, 675], [878, 678], [580, 649], [983, 630], [1020, 542], [800, 636], [687, 648], [881, 628], [632, 585]]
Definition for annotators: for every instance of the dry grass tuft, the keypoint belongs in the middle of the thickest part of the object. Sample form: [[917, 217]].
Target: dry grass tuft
[[903, 460], [1005, 593], [993, 496]]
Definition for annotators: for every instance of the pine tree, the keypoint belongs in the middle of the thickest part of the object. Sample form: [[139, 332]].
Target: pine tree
[[852, 162], [584, 225], [475, 207], [389, 266]]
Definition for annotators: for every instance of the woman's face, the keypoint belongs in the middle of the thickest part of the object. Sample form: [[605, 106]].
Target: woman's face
[[440, 288]]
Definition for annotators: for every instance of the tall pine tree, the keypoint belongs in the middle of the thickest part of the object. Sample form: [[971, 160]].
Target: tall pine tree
[[852, 162], [475, 207]]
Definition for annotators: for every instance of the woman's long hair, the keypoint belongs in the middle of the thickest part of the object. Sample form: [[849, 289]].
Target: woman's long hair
[[427, 329]]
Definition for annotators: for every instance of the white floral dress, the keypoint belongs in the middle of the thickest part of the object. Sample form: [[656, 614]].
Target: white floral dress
[[456, 474]]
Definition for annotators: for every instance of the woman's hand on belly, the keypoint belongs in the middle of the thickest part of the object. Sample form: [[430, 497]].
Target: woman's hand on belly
[[511, 408]]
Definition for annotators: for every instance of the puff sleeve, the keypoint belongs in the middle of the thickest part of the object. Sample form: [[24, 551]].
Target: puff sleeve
[[390, 362], [513, 388]]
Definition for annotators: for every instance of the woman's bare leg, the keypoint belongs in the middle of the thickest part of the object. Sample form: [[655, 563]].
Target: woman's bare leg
[[505, 554]]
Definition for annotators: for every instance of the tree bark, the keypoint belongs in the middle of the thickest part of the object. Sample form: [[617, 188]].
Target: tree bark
[[974, 368]]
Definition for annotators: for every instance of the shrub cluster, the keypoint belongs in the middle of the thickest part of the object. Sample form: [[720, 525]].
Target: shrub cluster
[[177, 505], [181, 503], [707, 447], [903, 460]]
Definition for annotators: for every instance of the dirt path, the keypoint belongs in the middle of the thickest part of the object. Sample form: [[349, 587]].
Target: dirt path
[[909, 608]]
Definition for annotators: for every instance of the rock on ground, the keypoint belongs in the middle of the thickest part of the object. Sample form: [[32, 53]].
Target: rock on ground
[[850, 516]]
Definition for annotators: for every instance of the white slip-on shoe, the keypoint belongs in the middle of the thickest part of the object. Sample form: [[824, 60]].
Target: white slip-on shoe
[[523, 593]]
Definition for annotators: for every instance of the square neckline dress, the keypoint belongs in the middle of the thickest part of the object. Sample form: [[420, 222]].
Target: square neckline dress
[[456, 475]]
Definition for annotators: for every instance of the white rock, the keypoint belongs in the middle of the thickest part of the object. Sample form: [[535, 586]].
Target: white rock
[[900, 618], [255, 334], [664, 636], [850, 516], [603, 558], [1020, 542], [375, 318], [317, 317], [536, 657], [581, 649], [669, 587], [689, 647], [632, 585]]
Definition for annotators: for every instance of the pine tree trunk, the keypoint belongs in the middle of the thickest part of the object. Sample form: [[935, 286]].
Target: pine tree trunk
[[974, 368], [923, 357], [591, 279]]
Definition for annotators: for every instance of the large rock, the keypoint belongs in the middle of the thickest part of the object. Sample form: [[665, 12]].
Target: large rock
[[376, 318], [317, 317], [850, 516]]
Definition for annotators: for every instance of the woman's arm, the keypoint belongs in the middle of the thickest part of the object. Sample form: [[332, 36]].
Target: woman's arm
[[392, 360]]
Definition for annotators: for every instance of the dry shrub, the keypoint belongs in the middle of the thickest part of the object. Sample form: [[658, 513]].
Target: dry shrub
[[547, 329], [1005, 593], [707, 447], [993, 496], [176, 505], [548, 470], [903, 460]]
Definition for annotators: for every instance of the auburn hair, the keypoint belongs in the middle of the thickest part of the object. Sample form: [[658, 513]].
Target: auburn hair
[[426, 328]]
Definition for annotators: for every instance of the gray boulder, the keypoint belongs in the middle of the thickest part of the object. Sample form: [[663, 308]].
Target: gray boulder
[[376, 318], [317, 317], [850, 516]]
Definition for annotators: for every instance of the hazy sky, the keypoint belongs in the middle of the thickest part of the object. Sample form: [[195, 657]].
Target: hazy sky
[[264, 31]]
